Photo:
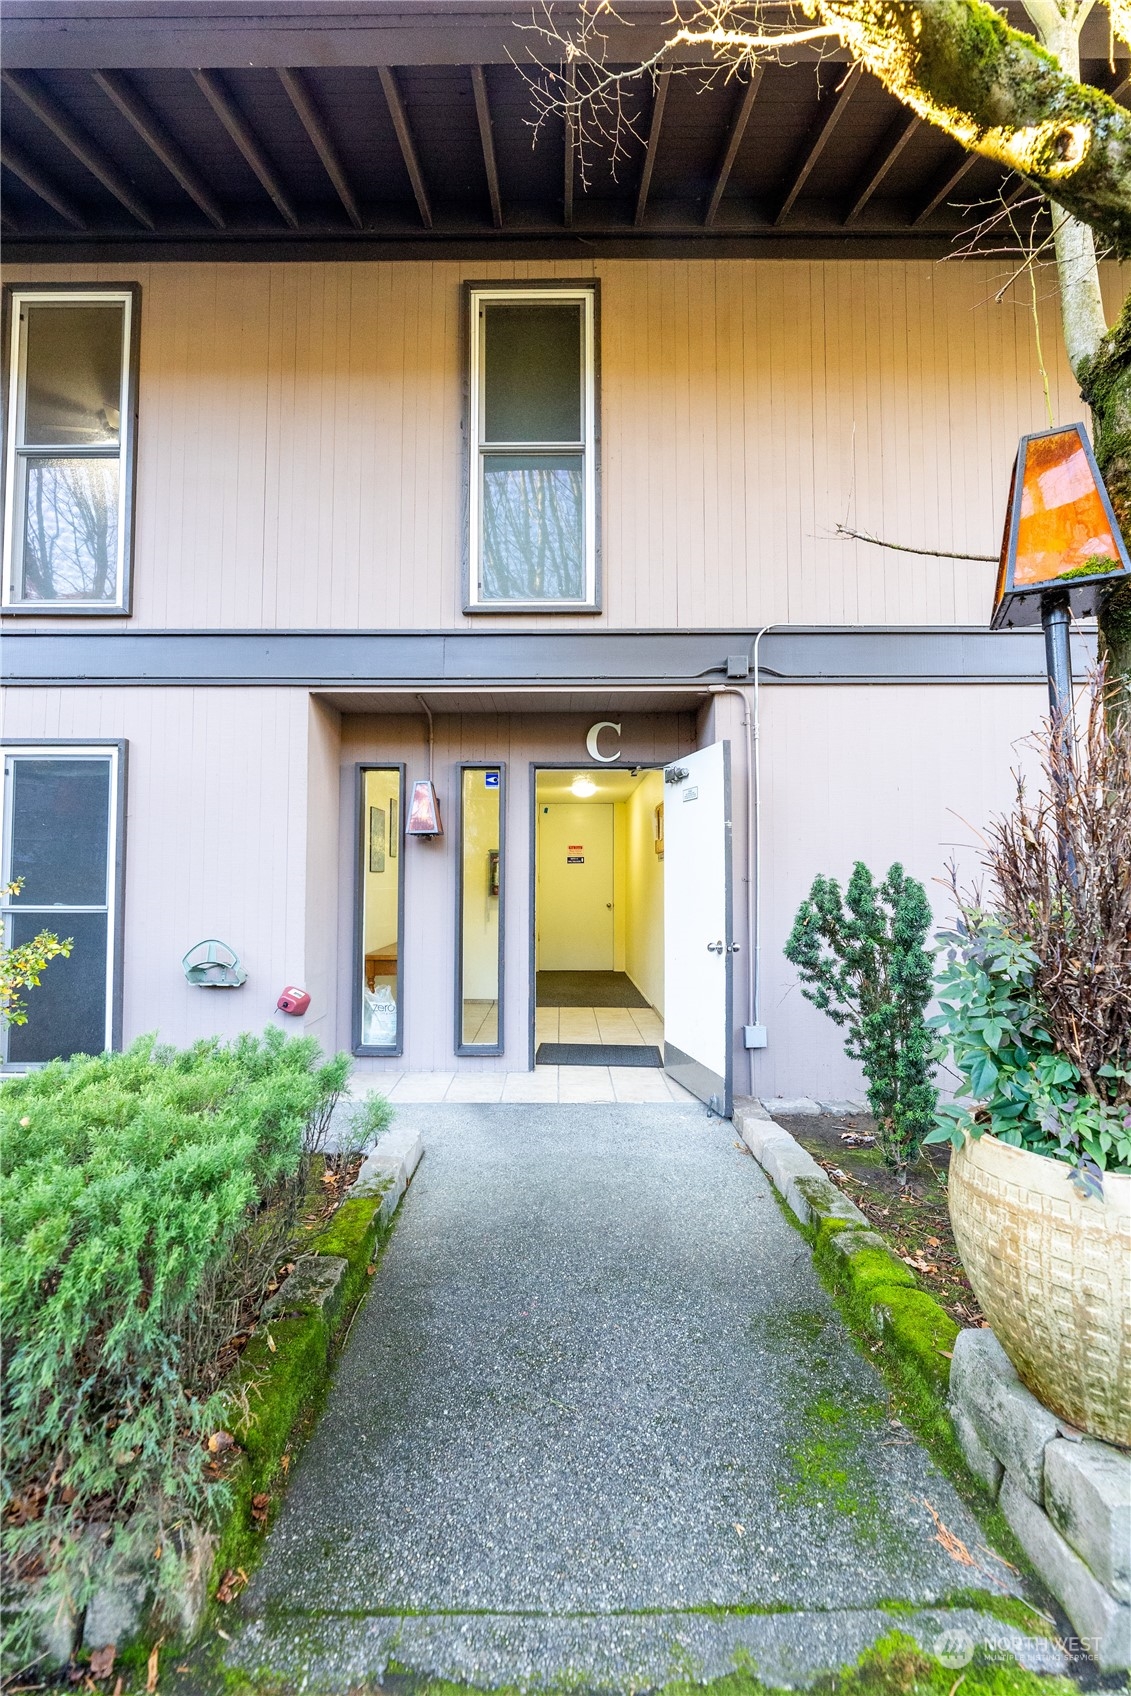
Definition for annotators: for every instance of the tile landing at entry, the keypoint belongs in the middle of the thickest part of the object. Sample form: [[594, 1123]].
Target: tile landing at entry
[[626, 1084]]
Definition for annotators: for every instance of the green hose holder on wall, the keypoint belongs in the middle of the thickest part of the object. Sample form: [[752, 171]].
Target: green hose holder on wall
[[218, 967]]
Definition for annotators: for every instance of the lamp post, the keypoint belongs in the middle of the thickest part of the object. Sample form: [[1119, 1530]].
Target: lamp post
[[1060, 550]]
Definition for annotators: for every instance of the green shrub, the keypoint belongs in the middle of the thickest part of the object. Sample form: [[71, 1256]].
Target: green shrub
[[1015, 1081], [145, 1195], [861, 960], [1035, 989]]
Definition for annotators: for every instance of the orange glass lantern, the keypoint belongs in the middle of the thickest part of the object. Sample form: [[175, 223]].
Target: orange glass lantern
[[1061, 538], [424, 810]]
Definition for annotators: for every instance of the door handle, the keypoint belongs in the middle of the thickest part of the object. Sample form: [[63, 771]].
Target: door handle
[[735, 948], [716, 948]]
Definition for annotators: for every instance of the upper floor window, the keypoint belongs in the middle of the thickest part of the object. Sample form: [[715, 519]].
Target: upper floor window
[[533, 471], [68, 473]]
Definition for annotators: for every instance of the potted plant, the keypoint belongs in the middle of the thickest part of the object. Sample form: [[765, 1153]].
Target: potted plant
[[1035, 1015]]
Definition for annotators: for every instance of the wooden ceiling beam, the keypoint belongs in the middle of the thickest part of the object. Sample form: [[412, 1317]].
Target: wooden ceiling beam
[[407, 146], [945, 188], [824, 134], [224, 107], [157, 138], [321, 140], [15, 160], [894, 143], [734, 142], [657, 118], [487, 142], [63, 127]]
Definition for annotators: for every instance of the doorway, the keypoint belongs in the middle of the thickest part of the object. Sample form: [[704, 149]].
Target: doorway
[[599, 917]]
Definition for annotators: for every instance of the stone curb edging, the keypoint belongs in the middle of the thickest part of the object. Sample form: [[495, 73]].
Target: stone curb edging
[[882, 1293], [282, 1370], [1066, 1497]]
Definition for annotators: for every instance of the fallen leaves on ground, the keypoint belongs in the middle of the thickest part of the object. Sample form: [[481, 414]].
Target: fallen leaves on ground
[[152, 1666], [102, 1661], [231, 1584], [261, 1507], [220, 1442], [953, 1545]]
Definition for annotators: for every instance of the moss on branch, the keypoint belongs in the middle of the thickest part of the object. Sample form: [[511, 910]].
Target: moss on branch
[[995, 89]]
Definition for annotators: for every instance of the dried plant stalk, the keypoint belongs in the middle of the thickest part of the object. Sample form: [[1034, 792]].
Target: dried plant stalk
[[1061, 860]]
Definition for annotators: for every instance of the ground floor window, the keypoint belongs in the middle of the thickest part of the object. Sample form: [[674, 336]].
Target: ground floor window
[[378, 1023], [479, 923], [62, 866]]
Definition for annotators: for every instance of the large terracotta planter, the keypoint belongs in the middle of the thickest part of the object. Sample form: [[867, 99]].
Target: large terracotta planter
[[1051, 1270]]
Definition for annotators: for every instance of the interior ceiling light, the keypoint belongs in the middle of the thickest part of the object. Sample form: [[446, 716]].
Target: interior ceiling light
[[583, 787]]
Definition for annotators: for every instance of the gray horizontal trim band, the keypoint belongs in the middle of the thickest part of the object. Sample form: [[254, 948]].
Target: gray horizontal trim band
[[412, 659], [270, 247]]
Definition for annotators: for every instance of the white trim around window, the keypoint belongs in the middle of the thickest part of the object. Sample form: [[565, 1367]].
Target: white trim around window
[[572, 463], [81, 484]]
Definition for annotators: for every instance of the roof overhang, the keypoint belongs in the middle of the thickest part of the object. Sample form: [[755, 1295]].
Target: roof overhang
[[268, 129]]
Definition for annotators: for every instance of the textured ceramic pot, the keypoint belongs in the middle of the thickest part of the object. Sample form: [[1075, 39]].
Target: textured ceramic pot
[[1051, 1269]]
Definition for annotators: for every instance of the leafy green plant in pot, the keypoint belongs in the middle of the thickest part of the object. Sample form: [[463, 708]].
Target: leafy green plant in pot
[[861, 960], [1034, 992]]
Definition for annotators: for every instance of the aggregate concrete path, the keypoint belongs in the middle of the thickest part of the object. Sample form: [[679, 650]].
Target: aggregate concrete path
[[598, 1422]]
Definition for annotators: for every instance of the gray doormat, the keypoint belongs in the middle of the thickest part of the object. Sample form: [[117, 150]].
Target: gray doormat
[[588, 989], [598, 1054]]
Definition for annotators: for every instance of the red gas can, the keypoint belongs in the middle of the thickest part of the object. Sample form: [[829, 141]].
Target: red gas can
[[293, 1000]]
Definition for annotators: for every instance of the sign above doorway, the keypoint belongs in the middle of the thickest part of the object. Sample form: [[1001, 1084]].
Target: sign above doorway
[[592, 741]]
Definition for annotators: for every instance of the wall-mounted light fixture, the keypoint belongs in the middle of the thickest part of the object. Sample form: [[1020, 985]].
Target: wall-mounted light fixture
[[424, 810]]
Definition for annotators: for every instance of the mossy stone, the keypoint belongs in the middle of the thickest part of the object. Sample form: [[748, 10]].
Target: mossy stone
[[918, 1329], [315, 1286], [862, 1261], [282, 1368]]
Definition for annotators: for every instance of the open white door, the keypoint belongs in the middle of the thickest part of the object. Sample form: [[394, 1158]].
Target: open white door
[[699, 947]]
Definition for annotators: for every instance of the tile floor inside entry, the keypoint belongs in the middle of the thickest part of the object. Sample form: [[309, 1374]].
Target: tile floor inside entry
[[599, 1024], [627, 1084]]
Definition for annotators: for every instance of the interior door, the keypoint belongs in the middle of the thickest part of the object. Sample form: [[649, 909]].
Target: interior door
[[699, 946], [575, 887]]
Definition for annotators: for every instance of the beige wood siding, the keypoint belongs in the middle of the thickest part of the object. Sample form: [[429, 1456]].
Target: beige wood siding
[[300, 454], [216, 841], [241, 824]]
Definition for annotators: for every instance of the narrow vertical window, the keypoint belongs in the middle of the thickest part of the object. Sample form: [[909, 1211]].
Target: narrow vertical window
[[69, 451], [379, 1027], [479, 922], [532, 439], [61, 821]]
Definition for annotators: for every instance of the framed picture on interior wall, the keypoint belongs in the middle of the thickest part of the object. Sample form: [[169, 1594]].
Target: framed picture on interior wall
[[492, 871], [376, 839], [394, 833], [658, 817]]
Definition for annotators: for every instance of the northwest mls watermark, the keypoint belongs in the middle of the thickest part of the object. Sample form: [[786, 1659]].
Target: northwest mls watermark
[[955, 1648]]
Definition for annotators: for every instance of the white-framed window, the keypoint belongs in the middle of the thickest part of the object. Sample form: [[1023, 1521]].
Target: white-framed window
[[62, 843], [532, 439], [70, 390]]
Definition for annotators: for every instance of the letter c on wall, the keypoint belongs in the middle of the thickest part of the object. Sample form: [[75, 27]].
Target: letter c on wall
[[592, 745]]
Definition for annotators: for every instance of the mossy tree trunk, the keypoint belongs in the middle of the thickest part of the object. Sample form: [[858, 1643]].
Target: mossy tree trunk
[[1020, 101]]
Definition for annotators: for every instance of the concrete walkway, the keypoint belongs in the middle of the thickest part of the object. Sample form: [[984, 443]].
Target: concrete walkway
[[598, 1421]]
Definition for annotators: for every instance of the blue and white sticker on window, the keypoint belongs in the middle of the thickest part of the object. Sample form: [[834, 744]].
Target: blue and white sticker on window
[[490, 780]]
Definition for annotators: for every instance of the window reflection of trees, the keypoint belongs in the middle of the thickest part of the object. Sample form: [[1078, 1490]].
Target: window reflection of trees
[[71, 530], [532, 531]]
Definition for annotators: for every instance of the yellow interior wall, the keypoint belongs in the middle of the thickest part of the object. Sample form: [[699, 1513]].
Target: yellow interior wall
[[644, 890], [380, 922], [480, 908]]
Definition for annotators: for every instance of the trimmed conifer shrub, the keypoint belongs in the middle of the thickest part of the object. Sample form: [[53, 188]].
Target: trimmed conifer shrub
[[146, 1196], [861, 960]]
